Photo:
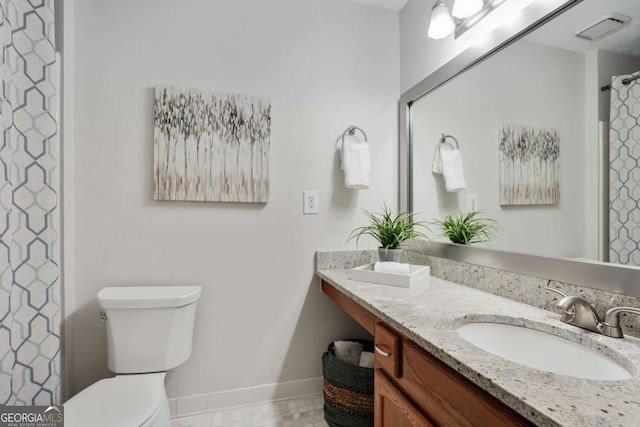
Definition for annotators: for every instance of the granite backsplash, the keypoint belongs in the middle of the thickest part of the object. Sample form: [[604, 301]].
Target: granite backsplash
[[515, 286]]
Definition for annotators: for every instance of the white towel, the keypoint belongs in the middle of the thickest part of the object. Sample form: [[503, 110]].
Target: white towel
[[366, 359], [448, 162], [348, 351], [391, 267], [452, 170], [356, 164], [436, 165]]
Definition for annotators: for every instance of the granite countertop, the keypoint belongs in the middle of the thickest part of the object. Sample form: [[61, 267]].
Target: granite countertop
[[430, 312]]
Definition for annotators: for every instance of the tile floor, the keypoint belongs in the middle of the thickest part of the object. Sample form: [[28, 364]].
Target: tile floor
[[298, 412]]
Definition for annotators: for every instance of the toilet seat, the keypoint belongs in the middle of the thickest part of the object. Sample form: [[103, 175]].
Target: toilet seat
[[125, 400]]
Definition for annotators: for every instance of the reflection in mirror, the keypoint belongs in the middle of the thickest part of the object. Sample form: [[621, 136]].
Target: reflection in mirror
[[548, 83]]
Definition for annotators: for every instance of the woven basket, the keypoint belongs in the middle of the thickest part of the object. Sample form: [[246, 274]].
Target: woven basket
[[347, 390]]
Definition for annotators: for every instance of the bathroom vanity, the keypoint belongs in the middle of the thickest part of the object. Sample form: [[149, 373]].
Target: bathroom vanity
[[427, 374], [406, 373]]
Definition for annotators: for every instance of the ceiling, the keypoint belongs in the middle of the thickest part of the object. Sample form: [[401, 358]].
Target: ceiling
[[395, 5], [560, 31]]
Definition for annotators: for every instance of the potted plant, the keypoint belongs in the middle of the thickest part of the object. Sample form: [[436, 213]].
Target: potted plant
[[468, 228], [390, 231]]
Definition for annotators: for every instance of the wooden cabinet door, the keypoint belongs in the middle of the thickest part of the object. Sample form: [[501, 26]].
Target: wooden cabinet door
[[449, 399], [392, 408]]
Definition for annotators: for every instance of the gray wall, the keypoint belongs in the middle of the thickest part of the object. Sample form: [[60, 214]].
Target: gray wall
[[325, 64]]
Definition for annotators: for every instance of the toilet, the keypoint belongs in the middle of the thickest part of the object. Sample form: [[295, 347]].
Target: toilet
[[149, 331]]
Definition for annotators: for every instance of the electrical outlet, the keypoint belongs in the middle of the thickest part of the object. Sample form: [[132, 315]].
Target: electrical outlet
[[311, 202], [472, 202]]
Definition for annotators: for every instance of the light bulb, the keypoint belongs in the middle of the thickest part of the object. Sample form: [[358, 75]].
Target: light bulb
[[441, 24], [466, 8]]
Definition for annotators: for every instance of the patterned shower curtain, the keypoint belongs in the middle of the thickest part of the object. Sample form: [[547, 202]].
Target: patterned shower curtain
[[624, 175], [30, 308]]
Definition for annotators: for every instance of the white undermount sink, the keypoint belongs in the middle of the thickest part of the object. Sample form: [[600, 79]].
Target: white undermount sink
[[543, 351]]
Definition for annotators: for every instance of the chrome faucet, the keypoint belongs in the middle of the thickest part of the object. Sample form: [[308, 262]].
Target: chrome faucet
[[579, 312]]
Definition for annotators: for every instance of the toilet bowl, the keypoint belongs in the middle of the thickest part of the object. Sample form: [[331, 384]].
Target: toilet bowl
[[125, 400], [149, 331]]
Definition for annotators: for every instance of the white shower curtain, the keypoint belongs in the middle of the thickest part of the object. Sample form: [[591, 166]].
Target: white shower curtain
[[30, 308], [624, 175]]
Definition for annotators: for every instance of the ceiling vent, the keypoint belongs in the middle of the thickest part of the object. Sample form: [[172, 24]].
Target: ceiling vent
[[604, 26]]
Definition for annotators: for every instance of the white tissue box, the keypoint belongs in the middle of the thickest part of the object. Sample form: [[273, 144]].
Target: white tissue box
[[418, 273]]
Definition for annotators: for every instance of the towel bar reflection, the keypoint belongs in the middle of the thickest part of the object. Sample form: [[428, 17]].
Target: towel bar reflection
[[443, 140], [351, 130]]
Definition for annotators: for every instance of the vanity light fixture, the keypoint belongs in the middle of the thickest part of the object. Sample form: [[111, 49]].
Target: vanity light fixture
[[441, 24], [485, 14], [466, 8]]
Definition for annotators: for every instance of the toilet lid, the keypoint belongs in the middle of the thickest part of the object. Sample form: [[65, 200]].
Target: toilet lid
[[125, 400]]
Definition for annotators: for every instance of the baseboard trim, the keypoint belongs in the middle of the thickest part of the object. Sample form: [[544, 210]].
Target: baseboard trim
[[201, 403]]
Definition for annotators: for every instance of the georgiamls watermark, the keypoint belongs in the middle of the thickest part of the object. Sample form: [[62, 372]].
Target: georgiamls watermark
[[31, 416]]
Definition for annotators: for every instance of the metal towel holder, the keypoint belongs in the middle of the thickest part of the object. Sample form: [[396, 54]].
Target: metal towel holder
[[351, 130], [443, 140]]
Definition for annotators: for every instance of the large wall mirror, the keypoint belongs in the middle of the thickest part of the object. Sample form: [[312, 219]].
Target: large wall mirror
[[549, 84]]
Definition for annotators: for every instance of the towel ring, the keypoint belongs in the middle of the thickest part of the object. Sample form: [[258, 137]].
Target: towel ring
[[351, 130], [443, 140]]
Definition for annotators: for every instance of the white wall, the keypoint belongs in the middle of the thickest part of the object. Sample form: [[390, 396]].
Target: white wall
[[524, 84], [67, 192], [325, 64]]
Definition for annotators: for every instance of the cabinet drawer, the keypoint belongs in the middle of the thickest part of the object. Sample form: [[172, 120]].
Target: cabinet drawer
[[387, 348]]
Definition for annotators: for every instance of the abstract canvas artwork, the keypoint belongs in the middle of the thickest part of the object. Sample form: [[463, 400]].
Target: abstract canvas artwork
[[529, 166], [211, 146]]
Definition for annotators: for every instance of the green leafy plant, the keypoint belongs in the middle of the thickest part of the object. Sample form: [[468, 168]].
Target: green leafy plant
[[468, 228], [389, 230]]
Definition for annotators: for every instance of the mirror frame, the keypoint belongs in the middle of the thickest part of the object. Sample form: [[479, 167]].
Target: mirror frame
[[607, 277]]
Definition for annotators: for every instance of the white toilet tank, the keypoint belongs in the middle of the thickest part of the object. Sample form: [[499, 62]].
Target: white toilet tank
[[149, 329]]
